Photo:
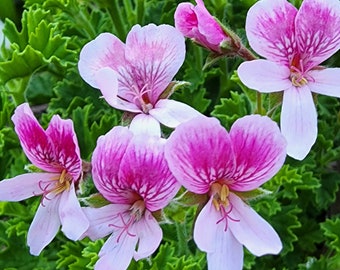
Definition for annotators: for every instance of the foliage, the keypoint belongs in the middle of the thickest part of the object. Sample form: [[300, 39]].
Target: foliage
[[40, 67]]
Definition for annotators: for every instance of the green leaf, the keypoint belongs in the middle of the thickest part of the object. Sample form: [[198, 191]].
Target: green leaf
[[331, 229]]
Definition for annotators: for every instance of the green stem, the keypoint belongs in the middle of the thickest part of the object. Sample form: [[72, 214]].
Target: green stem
[[259, 103], [246, 54], [140, 11]]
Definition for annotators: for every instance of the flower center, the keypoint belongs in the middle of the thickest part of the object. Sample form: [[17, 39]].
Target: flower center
[[220, 193], [128, 218], [297, 72], [56, 186], [142, 98]]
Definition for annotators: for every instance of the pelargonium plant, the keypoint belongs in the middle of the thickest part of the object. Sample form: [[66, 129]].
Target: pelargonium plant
[[169, 134]]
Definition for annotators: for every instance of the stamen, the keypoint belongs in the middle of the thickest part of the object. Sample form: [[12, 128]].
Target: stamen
[[124, 227]]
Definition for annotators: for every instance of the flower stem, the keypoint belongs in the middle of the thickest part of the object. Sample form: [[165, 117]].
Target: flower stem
[[117, 19], [246, 54]]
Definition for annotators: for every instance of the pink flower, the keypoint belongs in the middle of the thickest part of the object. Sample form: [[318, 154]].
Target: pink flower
[[206, 159], [133, 76], [132, 173], [196, 23], [294, 42], [56, 152]]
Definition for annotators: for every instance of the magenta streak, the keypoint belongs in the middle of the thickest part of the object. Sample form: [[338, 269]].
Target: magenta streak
[[125, 227]]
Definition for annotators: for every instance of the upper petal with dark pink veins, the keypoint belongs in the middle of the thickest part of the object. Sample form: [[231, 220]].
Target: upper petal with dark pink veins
[[155, 54], [106, 161], [34, 140], [260, 151], [65, 144], [199, 152], [104, 51], [149, 177], [318, 30], [270, 29]]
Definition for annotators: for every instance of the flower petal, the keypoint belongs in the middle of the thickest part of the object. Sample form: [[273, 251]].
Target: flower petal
[[117, 254], [150, 176], [44, 226], [210, 235], [260, 151], [145, 124], [63, 137], [270, 29], [264, 76], [106, 161], [101, 219], [206, 228], [149, 234], [34, 141], [104, 51], [171, 113], [186, 19], [107, 82], [298, 121], [252, 230], [199, 152], [318, 30], [24, 186], [325, 81], [155, 54], [73, 220], [228, 254]]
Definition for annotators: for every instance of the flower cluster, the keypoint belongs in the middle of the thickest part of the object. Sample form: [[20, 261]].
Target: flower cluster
[[139, 168]]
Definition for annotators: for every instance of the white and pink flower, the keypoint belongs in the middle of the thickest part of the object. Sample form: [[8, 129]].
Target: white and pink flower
[[56, 152], [206, 159], [295, 42], [131, 172], [133, 76]]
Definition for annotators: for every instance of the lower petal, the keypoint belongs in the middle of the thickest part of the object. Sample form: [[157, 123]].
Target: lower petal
[[228, 254], [101, 219], [206, 230], [23, 186], [298, 121], [115, 254], [145, 124], [325, 82], [73, 220], [264, 76], [171, 113], [45, 226], [149, 234], [252, 230]]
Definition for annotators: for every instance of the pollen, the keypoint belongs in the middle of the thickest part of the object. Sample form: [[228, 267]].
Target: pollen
[[63, 183], [220, 194]]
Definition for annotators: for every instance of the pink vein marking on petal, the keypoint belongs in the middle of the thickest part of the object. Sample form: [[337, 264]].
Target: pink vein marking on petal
[[44, 226], [299, 121], [106, 161], [155, 54], [150, 176], [318, 30], [270, 29], [260, 151], [63, 137], [104, 51], [199, 152], [33, 139]]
